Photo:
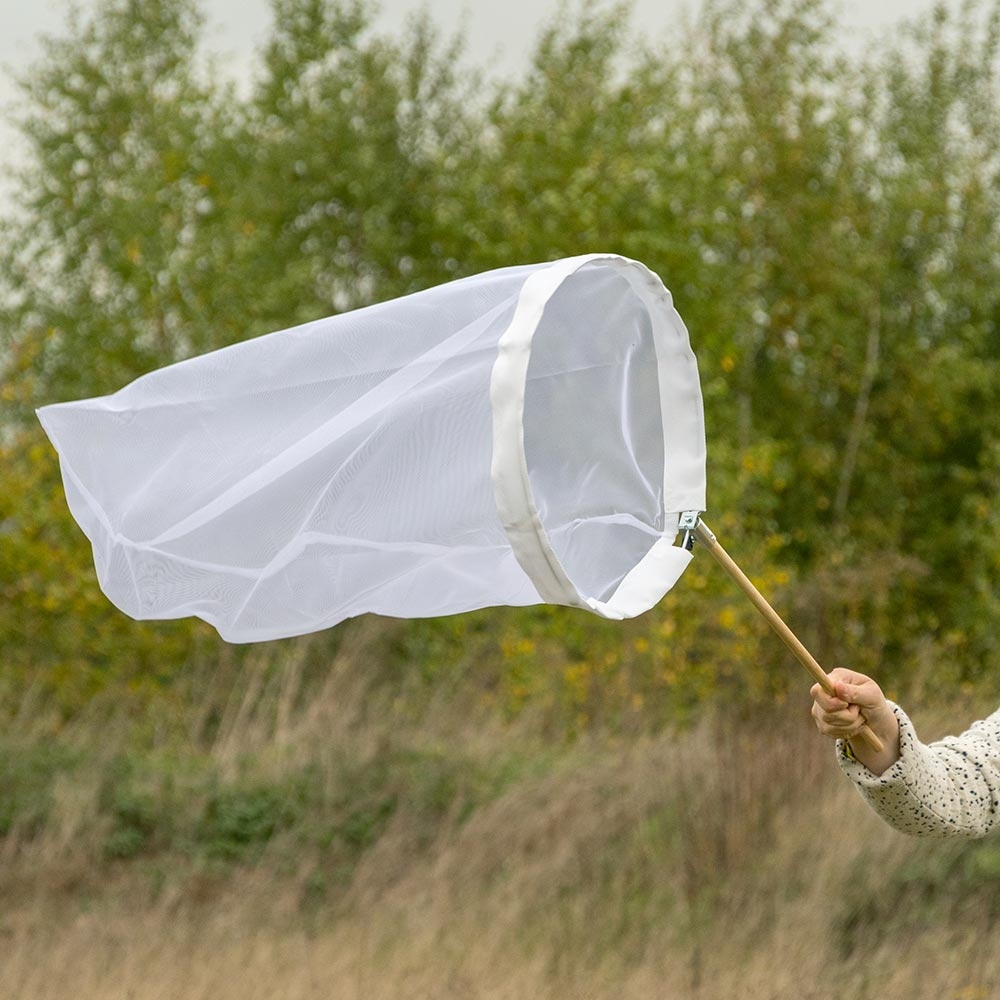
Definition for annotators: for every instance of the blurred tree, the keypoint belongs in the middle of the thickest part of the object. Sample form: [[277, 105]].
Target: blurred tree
[[64, 645], [926, 436], [853, 232], [119, 125], [829, 228], [347, 157], [96, 270], [161, 216]]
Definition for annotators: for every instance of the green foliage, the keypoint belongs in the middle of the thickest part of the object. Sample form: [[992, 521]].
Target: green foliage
[[118, 127], [187, 808], [28, 772], [140, 806], [64, 643], [135, 821], [237, 820], [829, 228]]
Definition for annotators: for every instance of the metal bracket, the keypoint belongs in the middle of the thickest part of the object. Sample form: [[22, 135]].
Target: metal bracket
[[687, 523]]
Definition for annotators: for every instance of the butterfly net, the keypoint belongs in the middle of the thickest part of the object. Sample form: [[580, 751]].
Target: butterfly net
[[522, 436]]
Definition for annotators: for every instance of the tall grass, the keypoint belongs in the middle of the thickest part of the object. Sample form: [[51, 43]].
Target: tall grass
[[331, 834]]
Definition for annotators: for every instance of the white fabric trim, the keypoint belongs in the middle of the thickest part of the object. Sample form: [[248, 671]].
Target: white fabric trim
[[681, 412], [509, 468], [646, 584]]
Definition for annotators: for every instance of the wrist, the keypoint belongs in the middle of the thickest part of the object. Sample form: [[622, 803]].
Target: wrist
[[886, 728]]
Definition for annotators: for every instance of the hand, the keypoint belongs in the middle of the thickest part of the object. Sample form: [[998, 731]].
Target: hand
[[858, 700]]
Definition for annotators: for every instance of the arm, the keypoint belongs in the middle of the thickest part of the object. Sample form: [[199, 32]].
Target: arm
[[947, 788]]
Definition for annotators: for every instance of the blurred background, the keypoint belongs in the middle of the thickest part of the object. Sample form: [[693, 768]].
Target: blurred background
[[517, 802]]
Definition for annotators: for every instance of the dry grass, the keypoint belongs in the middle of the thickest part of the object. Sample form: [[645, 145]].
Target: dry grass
[[722, 862], [727, 860]]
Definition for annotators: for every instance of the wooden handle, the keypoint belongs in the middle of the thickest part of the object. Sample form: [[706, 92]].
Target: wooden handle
[[705, 536]]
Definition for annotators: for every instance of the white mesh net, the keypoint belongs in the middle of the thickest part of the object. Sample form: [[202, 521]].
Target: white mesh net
[[529, 434]]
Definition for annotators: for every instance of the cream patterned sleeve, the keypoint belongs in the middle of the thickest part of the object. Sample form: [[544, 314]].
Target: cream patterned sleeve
[[950, 788]]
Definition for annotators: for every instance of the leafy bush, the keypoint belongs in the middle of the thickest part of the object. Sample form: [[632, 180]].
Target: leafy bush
[[28, 772]]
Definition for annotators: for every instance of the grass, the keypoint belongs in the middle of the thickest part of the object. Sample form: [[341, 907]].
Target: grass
[[342, 844]]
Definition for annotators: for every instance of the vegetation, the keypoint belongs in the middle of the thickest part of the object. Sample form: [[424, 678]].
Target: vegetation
[[830, 229]]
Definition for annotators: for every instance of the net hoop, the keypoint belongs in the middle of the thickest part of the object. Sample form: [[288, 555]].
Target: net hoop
[[681, 410]]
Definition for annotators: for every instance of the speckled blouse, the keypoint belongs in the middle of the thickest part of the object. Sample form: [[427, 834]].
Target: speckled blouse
[[950, 788]]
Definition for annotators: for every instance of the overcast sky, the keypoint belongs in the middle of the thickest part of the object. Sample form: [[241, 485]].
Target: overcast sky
[[498, 31], [503, 28]]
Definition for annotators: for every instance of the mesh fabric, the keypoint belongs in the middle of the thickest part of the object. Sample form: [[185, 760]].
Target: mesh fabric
[[525, 435]]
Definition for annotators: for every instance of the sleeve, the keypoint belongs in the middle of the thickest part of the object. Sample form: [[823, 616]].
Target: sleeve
[[947, 788]]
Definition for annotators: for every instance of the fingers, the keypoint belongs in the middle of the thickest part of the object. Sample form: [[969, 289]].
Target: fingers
[[866, 695], [835, 718], [828, 702], [842, 714], [857, 689], [848, 676]]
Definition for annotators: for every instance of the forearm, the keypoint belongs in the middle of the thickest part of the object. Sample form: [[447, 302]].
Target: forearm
[[949, 788]]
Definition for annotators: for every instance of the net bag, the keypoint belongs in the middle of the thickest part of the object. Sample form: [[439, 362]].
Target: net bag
[[526, 435]]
